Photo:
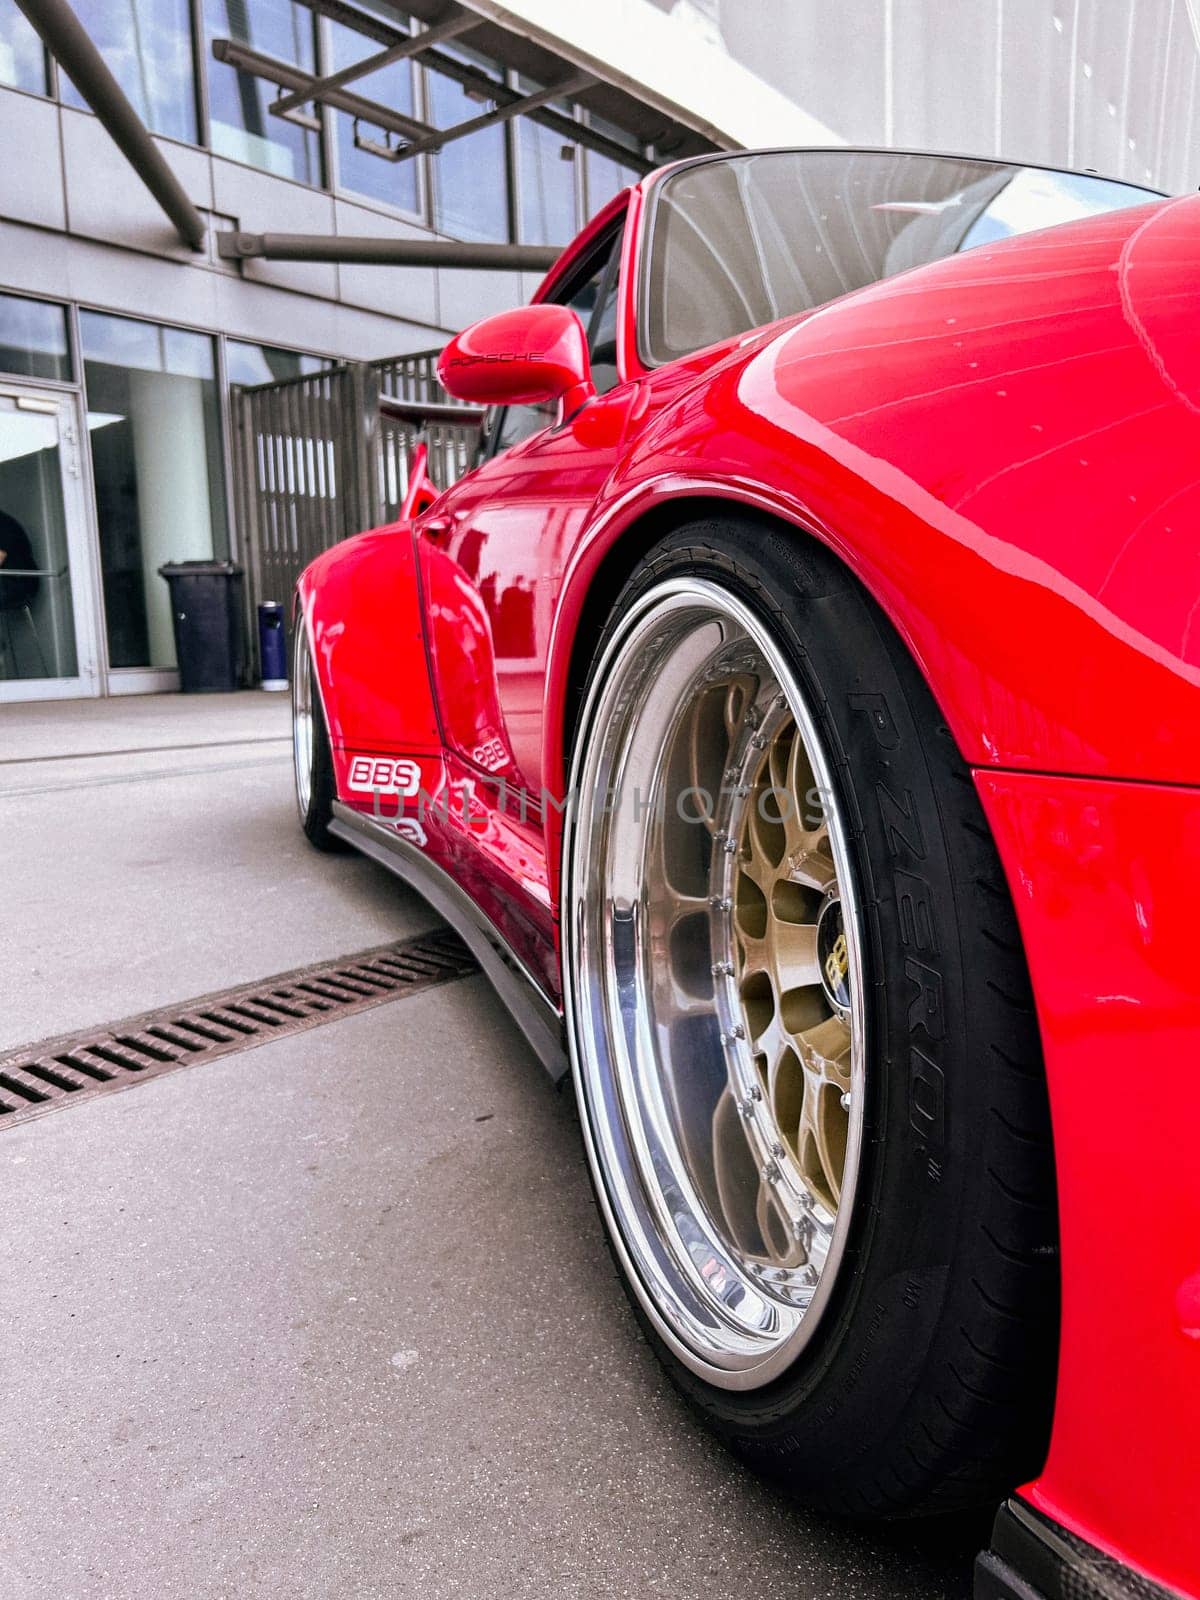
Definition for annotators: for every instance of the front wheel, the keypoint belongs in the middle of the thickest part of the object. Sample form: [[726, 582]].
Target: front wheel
[[802, 1035]]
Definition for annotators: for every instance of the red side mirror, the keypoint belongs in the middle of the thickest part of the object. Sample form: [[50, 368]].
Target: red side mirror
[[523, 357]]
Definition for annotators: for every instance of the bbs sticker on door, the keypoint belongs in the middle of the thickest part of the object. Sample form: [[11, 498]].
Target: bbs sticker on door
[[382, 774]]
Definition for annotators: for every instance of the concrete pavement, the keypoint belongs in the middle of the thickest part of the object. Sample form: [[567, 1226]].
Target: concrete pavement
[[332, 1318], [151, 853]]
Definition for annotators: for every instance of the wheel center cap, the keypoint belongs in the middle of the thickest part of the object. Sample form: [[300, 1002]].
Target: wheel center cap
[[833, 956]]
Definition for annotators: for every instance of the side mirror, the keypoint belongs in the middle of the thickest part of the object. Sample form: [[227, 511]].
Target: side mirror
[[523, 357]]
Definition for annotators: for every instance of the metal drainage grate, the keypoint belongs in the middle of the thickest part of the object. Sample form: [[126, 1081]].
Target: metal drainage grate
[[74, 1067]]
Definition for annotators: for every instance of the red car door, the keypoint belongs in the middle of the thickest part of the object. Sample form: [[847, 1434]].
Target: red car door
[[493, 551]]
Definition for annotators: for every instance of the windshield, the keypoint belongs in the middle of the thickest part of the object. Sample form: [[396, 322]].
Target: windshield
[[741, 241]]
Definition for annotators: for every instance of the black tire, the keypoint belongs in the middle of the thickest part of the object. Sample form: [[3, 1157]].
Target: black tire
[[314, 798], [928, 1385]]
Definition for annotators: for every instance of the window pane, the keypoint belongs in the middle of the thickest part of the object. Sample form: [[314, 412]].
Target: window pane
[[393, 182], [148, 46], [602, 330], [470, 176], [522, 422], [154, 428], [22, 59], [263, 363], [1034, 198], [37, 627], [240, 126], [606, 177], [33, 338], [744, 241], [545, 180]]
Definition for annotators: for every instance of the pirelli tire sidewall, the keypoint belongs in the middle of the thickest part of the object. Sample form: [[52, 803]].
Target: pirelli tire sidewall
[[867, 1421]]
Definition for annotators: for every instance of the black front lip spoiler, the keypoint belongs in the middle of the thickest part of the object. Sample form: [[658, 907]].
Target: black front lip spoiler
[[1032, 1558]]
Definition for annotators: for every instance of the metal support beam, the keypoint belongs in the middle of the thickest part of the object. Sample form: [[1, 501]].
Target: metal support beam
[[366, 250], [369, 23], [420, 413], [478, 84], [502, 113], [400, 51], [468, 77], [63, 35], [286, 76]]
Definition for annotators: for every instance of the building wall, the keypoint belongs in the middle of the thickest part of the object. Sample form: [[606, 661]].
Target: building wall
[[81, 238], [76, 224], [1079, 83]]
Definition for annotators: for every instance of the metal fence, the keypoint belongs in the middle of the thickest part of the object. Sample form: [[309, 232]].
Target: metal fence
[[318, 458]]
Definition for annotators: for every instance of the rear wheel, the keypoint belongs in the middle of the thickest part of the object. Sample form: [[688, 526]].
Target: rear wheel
[[312, 760], [803, 1039]]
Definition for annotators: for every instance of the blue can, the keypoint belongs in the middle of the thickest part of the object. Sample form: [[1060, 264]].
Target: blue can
[[272, 645]]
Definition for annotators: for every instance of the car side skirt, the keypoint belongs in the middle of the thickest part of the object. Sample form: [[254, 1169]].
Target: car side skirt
[[534, 1013], [1032, 1558]]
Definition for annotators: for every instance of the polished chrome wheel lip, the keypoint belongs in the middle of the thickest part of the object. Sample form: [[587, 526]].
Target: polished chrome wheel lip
[[302, 719], [648, 1221]]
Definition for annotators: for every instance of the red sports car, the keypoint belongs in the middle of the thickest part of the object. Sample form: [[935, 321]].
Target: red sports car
[[797, 709]]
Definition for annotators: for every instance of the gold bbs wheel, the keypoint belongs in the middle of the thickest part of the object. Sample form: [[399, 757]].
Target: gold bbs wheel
[[717, 1010], [802, 1033]]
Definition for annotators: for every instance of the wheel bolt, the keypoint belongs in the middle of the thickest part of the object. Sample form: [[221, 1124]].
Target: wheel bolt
[[771, 1173], [722, 969]]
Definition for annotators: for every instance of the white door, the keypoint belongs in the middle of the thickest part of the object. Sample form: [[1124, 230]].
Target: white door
[[49, 607]]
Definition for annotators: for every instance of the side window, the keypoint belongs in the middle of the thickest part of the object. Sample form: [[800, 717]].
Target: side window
[[514, 423], [594, 300], [602, 332]]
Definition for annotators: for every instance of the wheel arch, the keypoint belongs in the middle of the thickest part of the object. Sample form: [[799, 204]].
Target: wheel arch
[[620, 558], [611, 567]]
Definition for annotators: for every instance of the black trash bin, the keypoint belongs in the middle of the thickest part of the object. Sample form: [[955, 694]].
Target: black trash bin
[[206, 609]]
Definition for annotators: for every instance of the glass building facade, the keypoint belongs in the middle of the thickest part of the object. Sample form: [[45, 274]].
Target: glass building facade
[[154, 401], [115, 419], [161, 52], [157, 471]]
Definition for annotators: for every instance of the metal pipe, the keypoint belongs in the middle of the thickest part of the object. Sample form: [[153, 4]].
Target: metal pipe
[[399, 51], [502, 113], [382, 252], [476, 83], [299, 82], [422, 412], [64, 36]]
